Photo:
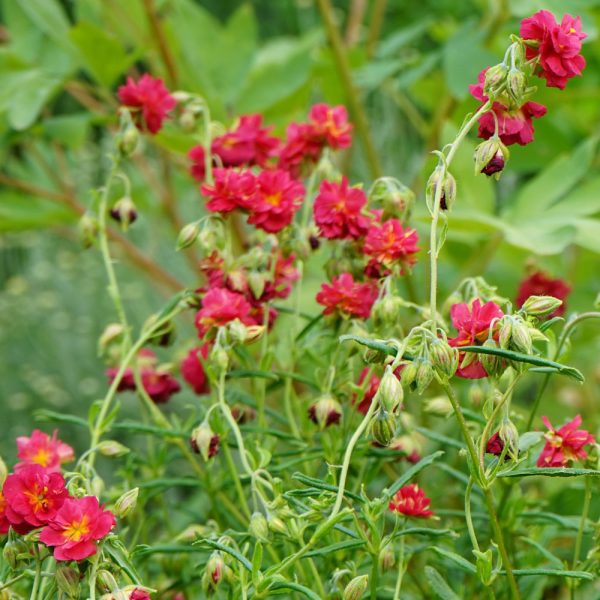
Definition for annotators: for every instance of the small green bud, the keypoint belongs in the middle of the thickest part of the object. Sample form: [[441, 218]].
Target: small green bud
[[125, 505], [439, 406], [188, 235], [259, 527], [3, 472], [386, 559], [539, 306], [494, 78], [277, 525], [490, 157], [506, 327], [396, 198], [219, 358], [444, 358], [440, 178], [325, 411], [516, 85], [88, 230], [484, 566], [356, 588], [112, 449], [409, 373], [204, 441], [390, 391], [128, 141], [15, 552], [492, 364], [105, 581], [67, 581], [424, 376], [521, 338], [383, 427], [385, 311], [509, 434], [215, 570]]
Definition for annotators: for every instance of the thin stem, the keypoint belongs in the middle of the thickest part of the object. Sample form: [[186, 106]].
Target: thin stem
[[584, 515], [236, 481], [468, 515], [374, 579], [377, 17], [287, 403], [400, 570], [38, 576]]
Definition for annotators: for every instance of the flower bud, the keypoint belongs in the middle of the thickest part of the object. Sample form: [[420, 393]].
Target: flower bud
[[506, 327], [15, 552], [243, 414], [396, 198], [539, 306], [390, 391], [105, 581], [492, 364], [516, 85], [383, 427], [277, 525], [97, 486], [490, 157], [424, 376], [495, 445], [374, 357], [67, 581], [112, 334], [259, 527], [204, 441], [356, 588], [325, 411], [439, 406], [443, 357], [164, 335], [88, 230], [219, 358], [386, 559], [125, 505], [509, 434], [409, 373], [484, 562], [112, 449], [385, 311], [494, 77], [129, 140], [124, 212], [447, 193], [215, 570], [521, 338], [188, 235]]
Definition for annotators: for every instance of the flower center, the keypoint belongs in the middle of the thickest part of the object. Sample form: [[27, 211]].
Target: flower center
[[77, 529], [273, 199], [37, 499], [41, 457]]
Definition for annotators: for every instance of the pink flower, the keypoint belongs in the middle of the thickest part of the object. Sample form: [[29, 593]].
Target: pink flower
[[473, 324], [565, 444], [411, 501], [151, 99], [389, 244], [231, 189], [4, 522], [347, 297], [515, 125], [139, 594], [192, 369], [41, 449], [219, 307], [33, 496], [301, 148], [337, 211], [275, 201], [331, 125], [557, 46], [77, 526], [541, 284]]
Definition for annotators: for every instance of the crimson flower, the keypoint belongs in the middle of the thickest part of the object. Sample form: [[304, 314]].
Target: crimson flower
[[139, 594], [348, 297], [76, 527], [564, 445], [219, 307], [370, 390], [473, 324], [41, 449], [557, 46], [337, 211], [231, 189], [330, 124], [515, 124], [275, 201], [4, 522], [541, 284], [301, 148], [150, 98], [193, 371], [411, 501], [389, 244], [33, 496], [495, 445]]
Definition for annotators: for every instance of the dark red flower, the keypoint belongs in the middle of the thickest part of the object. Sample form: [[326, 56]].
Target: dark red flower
[[557, 46], [139, 594], [496, 165], [411, 501], [370, 391], [192, 369], [564, 445], [338, 211], [301, 148], [219, 307], [347, 297], [495, 445], [41, 449], [541, 284], [151, 99], [473, 324], [76, 527], [515, 124], [330, 124], [231, 189], [390, 244], [325, 412]]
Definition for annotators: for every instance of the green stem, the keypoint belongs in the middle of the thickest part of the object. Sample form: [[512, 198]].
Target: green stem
[[287, 402], [400, 570], [236, 481], [38, 576], [584, 515], [374, 579], [468, 515]]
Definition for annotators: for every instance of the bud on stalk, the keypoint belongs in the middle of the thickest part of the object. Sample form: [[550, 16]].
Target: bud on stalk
[[128, 141], [516, 85], [112, 449], [494, 78], [188, 235], [259, 527], [204, 441], [447, 194], [390, 391], [124, 212], [67, 581], [383, 427], [356, 588], [490, 157], [88, 230], [539, 306], [126, 503]]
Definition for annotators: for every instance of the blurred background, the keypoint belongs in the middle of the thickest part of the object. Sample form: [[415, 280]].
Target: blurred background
[[410, 63]]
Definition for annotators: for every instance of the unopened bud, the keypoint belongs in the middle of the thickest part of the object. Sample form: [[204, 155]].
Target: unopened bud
[[188, 235], [356, 588], [204, 441], [484, 562], [444, 358], [219, 358], [521, 338], [256, 282], [325, 411], [124, 212], [424, 376], [490, 157], [215, 570], [390, 391], [383, 427], [439, 406], [88, 230], [396, 198], [509, 434], [243, 414], [516, 84], [409, 373], [539, 306], [3, 472], [15, 552], [67, 581], [277, 525], [440, 178], [495, 445], [505, 335], [163, 334], [111, 334], [385, 311], [386, 559], [105, 581], [259, 527], [112, 449], [494, 78], [125, 505], [492, 364], [129, 140], [374, 357]]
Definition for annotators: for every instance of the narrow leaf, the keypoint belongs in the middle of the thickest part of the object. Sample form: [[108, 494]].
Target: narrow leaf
[[551, 472], [438, 584], [458, 560], [424, 462]]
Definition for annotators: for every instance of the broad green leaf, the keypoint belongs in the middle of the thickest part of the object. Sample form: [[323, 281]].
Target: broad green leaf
[[414, 470], [389, 46], [588, 234], [438, 584], [19, 212], [71, 130], [50, 18], [550, 472], [457, 559], [29, 98]]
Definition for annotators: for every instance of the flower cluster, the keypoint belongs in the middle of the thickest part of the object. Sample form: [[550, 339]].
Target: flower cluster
[[34, 496]]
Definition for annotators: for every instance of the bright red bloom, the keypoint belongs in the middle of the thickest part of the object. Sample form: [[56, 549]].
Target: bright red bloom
[[4, 523], [370, 390], [337, 211], [275, 201], [389, 244], [348, 297], [192, 369], [515, 125], [473, 324], [231, 189], [76, 528], [564, 445], [411, 501], [151, 98], [330, 124], [219, 307], [558, 46], [33, 496], [541, 284], [139, 594], [41, 449], [301, 148]]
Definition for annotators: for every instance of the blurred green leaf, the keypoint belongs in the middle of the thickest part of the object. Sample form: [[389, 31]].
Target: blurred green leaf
[[457, 559], [19, 212], [50, 18], [29, 98], [390, 45], [71, 130], [438, 584]]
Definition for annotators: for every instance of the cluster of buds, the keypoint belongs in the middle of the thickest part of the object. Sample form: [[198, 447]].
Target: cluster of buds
[[510, 85], [395, 198], [385, 311], [418, 374], [517, 334], [441, 183]]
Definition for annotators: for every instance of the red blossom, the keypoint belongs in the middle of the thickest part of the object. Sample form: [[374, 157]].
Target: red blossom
[[411, 501], [564, 445], [557, 46], [338, 211], [495, 445], [389, 244], [330, 124], [370, 391], [139, 594], [219, 307], [301, 148], [41, 449], [192, 369], [76, 527], [151, 99], [33, 496], [4, 522], [231, 189], [541, 284], [275, 201], [473, 324], [348, 297], [515, 125]]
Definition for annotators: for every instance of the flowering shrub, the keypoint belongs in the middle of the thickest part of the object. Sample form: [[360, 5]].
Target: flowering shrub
[[303, 462]]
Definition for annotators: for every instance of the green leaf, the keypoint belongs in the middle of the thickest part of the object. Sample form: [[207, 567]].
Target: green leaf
[[288, 585], [321, 485], [390, 45], [458, 560], [553, 573], [438, 584], [544, 552], [256, 562], [550, 472], [231, 551], [345, 545], [170, 483], [29, 98], [71, 130], [49, 17], [424, 462], [49, 416]]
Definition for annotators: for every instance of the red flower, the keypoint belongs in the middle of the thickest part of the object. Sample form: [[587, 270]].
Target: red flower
[[473, 324], [4, 523], [193, 371], [330, 124], [139, 594], [558, 46], [347, 297], [495, 445], [411, 501], [76, 528], [33, 496], [231, 189], [389, 244], [515, 125], [151, 98], [275, 201], [301, 148], [370, 391], [219, 307], [284, 275], [541, 284], [337, 210], [41, 449], [565, 444]]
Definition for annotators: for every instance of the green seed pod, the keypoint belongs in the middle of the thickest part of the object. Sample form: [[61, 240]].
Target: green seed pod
[[506, 327], [125, 505], [390, 391], [539, 306], [383, 427]]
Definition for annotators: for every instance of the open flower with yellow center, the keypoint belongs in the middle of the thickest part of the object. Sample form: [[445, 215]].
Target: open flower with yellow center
[[41, 449]]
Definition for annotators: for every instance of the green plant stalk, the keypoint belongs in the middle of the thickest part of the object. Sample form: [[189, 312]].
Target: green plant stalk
[[400, 570], [469, 516], [374, 578], [584, 515], [37, 578], [236, 481]]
